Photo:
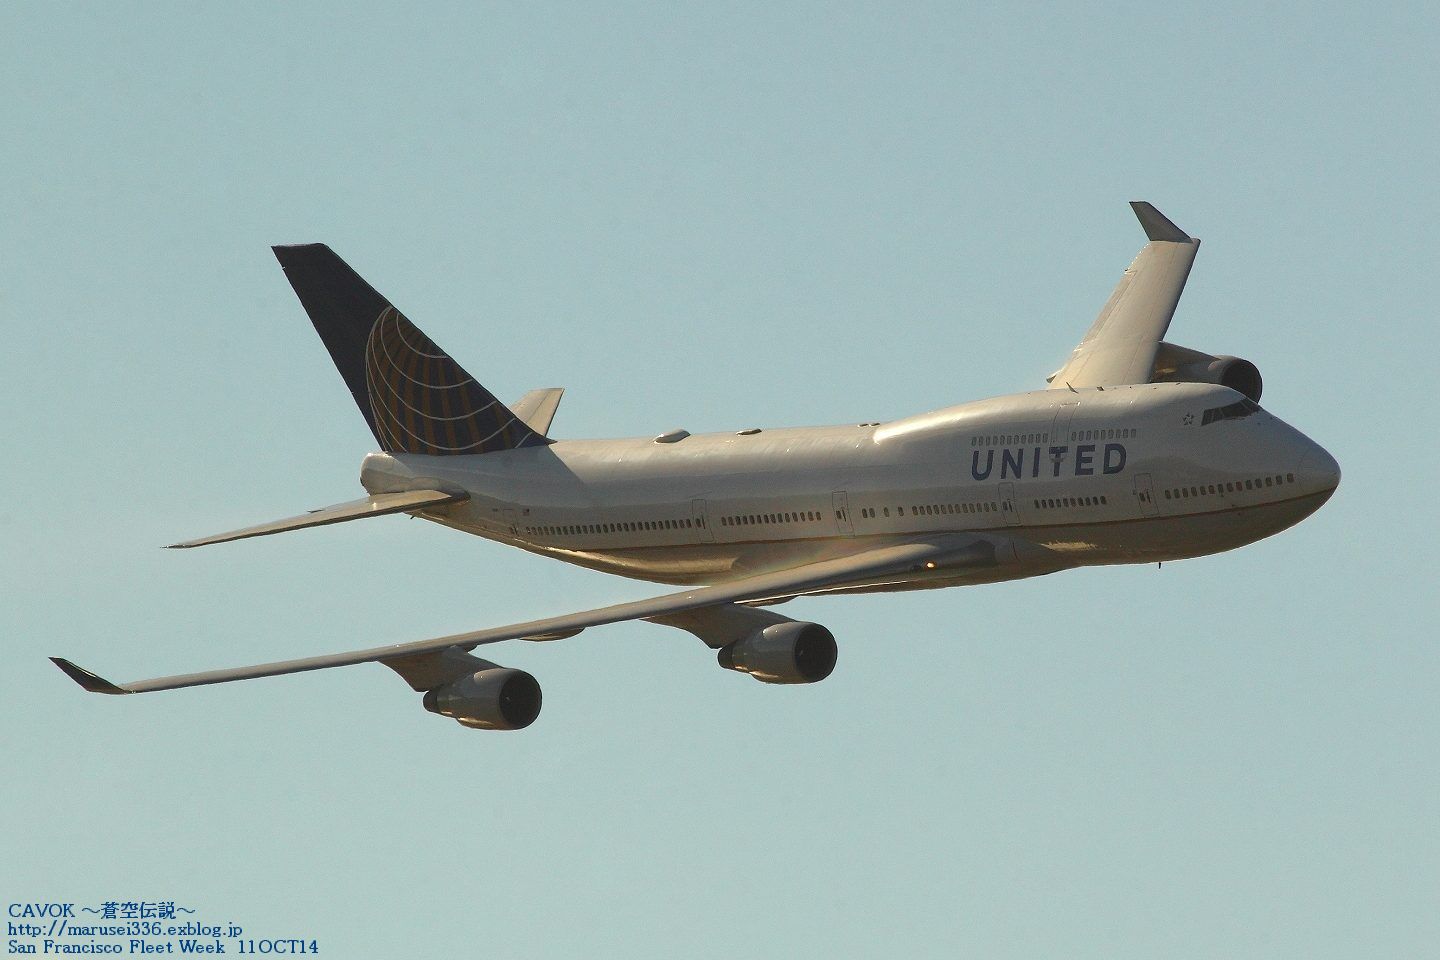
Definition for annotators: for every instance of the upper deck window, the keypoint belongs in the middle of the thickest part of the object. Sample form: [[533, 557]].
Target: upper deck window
[[1238, 410]]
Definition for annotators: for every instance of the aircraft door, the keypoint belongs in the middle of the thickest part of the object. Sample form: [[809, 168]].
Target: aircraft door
[[841, 502], [1145, 495], [1060, 427], [1007, 504], [509, 519], [702, 521]]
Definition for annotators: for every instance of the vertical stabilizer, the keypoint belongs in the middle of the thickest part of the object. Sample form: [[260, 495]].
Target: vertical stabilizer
[[415, 398]]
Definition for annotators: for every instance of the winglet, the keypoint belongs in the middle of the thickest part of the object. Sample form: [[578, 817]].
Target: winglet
[[1157, 226], [87, 679]]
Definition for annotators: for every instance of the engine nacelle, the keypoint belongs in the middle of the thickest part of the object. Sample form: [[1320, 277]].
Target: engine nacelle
[[790, 652], [1176, 364], [497, 698]]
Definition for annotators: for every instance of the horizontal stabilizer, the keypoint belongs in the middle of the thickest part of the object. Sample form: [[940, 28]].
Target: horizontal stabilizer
[[379, 505], [537, 408]]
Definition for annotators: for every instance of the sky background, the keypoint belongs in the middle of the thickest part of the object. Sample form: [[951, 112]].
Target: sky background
[[712, 216]]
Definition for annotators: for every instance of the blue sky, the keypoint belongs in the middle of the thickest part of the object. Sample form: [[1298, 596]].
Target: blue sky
[[713, 216]]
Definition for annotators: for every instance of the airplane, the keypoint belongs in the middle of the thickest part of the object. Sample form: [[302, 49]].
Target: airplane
[[1138, 451]]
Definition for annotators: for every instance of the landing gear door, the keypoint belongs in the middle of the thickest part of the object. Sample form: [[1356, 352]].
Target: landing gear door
[[841, 503], [1007, 504], [1145, 495]]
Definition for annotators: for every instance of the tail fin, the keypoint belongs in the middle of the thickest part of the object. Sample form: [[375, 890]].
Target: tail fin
[[415, 398]]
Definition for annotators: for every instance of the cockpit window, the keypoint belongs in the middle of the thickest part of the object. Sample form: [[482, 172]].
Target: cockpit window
[[1234, 411]]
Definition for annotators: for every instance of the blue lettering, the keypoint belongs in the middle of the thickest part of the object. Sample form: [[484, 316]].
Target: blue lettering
[[1009, 459], [42, 910], [975, 464], [1035, 465], [1084, 455], [1117, 463], [1057, 454]]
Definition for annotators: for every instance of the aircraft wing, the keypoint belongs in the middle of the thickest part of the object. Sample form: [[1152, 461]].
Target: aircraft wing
[[928, 556], [1120, 346], [379, 505]]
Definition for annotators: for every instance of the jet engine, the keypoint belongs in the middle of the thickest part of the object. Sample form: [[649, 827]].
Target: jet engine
[[1176, 364], [789, 652], [497, 698]]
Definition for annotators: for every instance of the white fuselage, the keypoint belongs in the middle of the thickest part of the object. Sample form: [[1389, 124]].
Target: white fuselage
[[1058, 478]]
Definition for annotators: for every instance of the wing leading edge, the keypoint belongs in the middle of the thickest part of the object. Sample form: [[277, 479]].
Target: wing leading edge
[[930, 556], [1121, 344]]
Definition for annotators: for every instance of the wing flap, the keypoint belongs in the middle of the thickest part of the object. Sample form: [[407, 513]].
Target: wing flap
[[1120, 346], [379, 505], [931, 556]]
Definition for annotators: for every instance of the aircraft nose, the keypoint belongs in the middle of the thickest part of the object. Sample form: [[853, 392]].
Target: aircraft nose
[[1318, 470]]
